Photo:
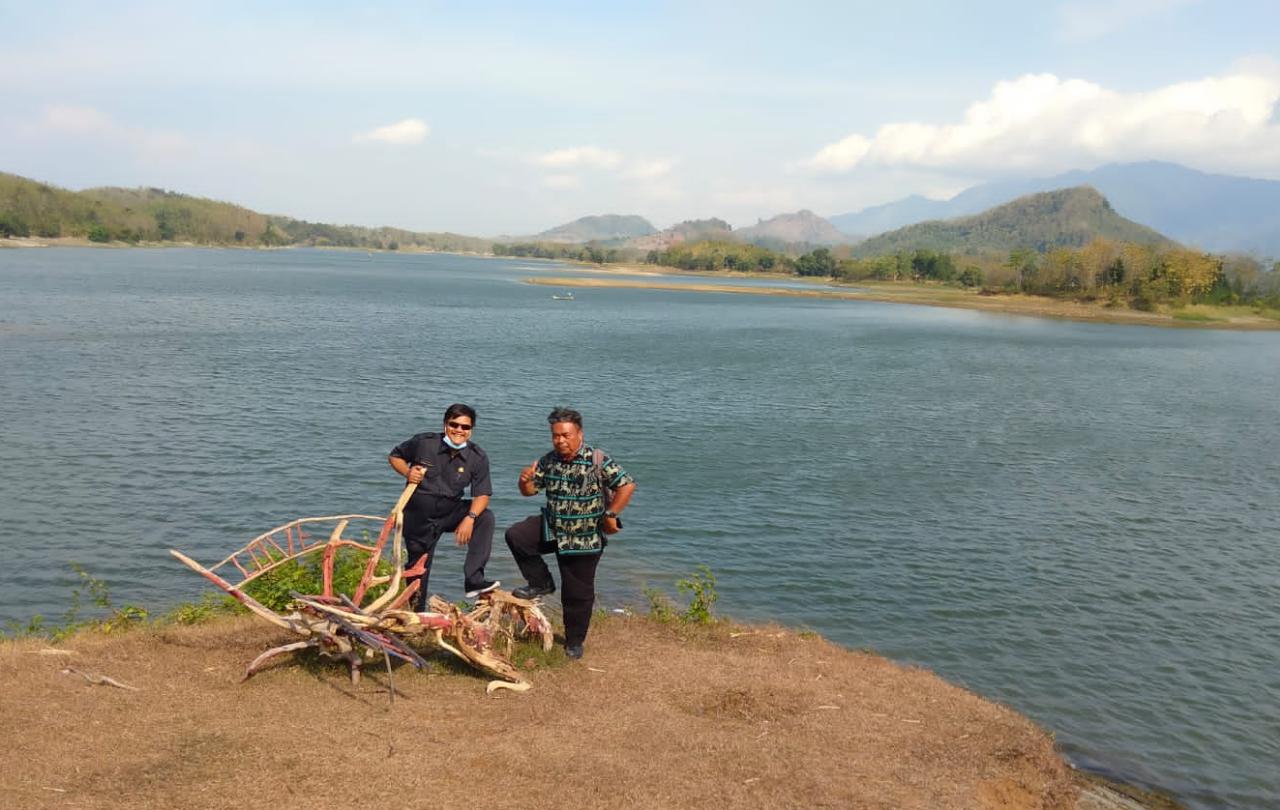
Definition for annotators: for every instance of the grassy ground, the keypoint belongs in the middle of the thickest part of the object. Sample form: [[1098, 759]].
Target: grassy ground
[[656, 715], [1221, 317]]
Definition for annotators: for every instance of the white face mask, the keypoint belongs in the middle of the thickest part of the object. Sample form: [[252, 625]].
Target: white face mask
[[449, 442]]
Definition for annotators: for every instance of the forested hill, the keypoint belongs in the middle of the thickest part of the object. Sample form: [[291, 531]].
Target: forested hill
[[29, 208], [1215, 212], [691, 230], [603, 228], [800, 228], [1069, 217]]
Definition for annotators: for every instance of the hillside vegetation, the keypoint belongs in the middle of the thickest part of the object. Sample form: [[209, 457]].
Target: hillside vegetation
[[29, 208], [603, 228], [1107, 271], [691, 230], [1213, 212], [1066, 218]]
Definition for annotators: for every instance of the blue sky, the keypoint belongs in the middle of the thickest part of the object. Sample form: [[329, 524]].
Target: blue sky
[[512, 118]]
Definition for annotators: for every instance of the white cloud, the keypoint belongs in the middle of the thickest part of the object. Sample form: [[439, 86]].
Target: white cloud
[[589, 156], [1042, 122], [562, 182], [93, 124], [566, 168], [842, 155], [648, 169], [402, 133], [1084, 20]]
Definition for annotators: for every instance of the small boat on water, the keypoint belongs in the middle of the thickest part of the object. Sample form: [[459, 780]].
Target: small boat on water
[[568, 296]]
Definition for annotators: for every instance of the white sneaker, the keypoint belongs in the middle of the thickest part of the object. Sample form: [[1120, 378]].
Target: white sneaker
[[484, 587]]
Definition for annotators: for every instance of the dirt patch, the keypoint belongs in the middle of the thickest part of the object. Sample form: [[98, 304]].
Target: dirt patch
[[653, 716]]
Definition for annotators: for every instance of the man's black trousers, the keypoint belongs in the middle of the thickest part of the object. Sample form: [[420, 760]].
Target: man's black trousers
[[577, 574], [426, 518]]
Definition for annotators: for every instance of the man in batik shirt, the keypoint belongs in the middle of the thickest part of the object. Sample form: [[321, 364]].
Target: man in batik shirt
[[586, 492]]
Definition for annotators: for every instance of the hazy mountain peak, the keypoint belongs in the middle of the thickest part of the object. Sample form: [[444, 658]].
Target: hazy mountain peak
[[691, 230], [599, 228], [1068, 217], [801, 227], [1211, 211]]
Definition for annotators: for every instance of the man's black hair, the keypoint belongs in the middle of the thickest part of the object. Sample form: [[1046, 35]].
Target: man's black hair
[[458, 409], [565, 415]]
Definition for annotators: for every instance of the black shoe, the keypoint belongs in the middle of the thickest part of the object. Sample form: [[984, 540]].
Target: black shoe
[[483, 587], [573, 651], [533, 591]]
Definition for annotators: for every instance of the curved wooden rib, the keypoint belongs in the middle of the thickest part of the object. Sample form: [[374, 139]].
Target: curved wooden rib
[[240, 596], [286, 543], [272, 653]]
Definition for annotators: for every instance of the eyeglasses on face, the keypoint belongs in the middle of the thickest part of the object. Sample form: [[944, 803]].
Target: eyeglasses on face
[[459, 425]]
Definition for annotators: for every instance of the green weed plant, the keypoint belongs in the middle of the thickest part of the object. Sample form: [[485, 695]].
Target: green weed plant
[[91, 593], [699, 587]]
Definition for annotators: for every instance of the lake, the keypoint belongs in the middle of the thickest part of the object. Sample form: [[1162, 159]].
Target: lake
[[1079, 520]]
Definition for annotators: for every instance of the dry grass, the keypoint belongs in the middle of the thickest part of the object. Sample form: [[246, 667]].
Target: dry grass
[[655, 716]]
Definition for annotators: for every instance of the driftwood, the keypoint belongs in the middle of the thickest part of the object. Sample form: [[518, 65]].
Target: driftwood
[[345, 627], [99, 680]]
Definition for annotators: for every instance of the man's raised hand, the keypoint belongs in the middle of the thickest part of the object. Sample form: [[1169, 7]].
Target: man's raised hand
[[526, 475]]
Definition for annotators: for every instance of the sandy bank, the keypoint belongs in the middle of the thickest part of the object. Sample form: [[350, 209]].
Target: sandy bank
[[654, 716], [939, 296]]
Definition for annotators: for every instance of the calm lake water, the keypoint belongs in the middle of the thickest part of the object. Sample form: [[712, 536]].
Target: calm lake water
[[1079, 520]]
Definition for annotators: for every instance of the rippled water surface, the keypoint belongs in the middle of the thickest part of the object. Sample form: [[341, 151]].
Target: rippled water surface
[[1079, 520]]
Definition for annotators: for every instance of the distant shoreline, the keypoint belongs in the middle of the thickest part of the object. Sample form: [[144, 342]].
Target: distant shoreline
[[1193, 316]]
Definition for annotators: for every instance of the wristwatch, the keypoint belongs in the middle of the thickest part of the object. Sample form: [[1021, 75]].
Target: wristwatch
[[472, 515], [614, 515]]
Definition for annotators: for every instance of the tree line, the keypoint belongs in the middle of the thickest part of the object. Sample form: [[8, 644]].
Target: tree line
[[596, 254], [29, 208], [1116, 272]]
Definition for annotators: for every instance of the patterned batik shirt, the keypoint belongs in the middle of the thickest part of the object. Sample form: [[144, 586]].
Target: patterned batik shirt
[[575, 498]]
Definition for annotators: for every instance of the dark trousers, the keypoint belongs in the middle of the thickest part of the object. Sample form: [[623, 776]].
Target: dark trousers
[[577, 574], [425, 519]]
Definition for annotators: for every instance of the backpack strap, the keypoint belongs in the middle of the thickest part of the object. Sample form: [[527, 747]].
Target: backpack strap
[[597, 461]]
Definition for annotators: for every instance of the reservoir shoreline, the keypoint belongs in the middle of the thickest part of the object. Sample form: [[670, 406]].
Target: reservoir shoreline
[[889, 292]]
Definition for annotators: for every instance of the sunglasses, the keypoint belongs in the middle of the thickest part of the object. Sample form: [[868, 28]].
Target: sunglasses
[[459, 425]]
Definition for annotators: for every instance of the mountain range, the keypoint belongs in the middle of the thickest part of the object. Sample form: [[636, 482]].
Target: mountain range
[[782, 232], [1213, 212]]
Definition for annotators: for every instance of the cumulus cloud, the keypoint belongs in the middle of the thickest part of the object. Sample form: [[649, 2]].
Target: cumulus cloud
[[1042, 122], [402, 133], [588, 156]]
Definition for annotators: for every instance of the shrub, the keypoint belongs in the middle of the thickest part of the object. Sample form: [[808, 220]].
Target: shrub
[[11, 225], [305, 576], [701, 588]]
